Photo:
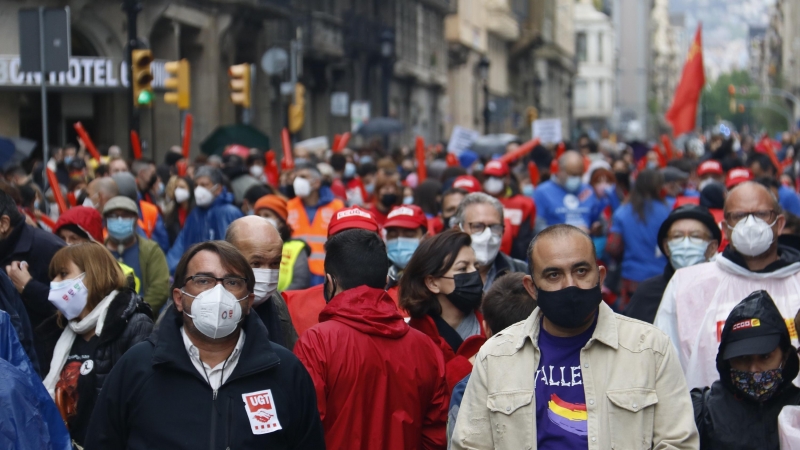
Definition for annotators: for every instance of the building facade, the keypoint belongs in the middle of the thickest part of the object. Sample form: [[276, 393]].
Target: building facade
[[342, 55], [632, 22], [593, 99]]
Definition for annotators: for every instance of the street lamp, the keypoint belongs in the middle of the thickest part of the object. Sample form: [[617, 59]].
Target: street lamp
[[483, 74]]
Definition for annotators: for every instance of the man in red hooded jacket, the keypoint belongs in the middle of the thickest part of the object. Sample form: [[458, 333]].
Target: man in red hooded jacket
[[380, 383]]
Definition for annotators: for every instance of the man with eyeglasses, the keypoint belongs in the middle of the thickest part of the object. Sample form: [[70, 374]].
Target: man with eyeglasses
[[209, 373], [698, 300], [481, 216], [689, 236]]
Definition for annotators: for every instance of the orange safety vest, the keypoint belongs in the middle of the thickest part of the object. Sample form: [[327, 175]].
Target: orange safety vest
[[315, 234], [149, 217]]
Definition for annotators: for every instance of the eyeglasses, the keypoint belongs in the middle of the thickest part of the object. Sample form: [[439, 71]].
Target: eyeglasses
[[696, 239], [234, 285], [732, 218], [478, 227]]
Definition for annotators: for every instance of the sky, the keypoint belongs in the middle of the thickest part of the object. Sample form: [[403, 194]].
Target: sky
[[725, 28]]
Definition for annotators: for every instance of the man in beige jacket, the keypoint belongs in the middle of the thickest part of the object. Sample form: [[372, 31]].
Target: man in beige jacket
[[574, 375]]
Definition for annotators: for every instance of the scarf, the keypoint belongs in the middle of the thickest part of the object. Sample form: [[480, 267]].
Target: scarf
[[95, 319]]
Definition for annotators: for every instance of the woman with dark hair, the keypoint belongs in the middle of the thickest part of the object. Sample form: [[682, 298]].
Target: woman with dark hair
[[633, 238], [179, 196], [98, 320], [428, 196], [441, 289]]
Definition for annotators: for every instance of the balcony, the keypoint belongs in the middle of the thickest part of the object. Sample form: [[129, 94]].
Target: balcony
[[501, 21]]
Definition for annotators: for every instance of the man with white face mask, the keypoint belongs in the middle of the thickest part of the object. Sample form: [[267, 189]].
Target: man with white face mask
[[211, 369], [310, 211], [481, 216], [261, 245], [210, 219], [698, 300]]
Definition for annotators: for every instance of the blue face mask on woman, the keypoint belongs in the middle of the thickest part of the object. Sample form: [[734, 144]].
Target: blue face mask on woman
[[120, 228], [401, 249]]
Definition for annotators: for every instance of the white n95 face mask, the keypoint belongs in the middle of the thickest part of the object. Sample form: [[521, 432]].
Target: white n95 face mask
[[302, 187], [203, 196], [181, 195], [69, 296], [215, 312], [493, 185], [266, 284], [752, 236], [486, 245]]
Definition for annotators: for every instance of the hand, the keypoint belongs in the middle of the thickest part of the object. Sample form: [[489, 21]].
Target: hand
[[18, 272], [597, 229]]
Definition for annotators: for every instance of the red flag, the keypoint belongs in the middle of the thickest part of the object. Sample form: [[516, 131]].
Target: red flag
[[422, 169], [683, 112]]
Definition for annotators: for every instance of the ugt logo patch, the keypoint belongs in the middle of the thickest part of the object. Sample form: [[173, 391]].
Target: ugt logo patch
[[260, 408]]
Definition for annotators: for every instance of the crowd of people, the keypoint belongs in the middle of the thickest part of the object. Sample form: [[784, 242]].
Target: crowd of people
[[588, 296]]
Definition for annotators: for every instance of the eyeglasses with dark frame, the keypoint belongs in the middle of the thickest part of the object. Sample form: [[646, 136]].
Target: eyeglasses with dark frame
[[234, 285], [767, 215], [478, 227]]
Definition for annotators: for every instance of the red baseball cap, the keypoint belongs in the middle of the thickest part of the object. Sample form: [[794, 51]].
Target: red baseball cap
[[238, 150], [709, 167], [406, 216], [496, 168], [349, 218], [467, 183], [738, 175]]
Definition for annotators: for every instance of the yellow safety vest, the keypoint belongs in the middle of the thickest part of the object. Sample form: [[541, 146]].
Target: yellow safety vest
[[291, 251], [129, 273]]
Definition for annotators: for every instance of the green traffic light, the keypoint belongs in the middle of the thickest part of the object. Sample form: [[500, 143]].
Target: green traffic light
[[145, 97]]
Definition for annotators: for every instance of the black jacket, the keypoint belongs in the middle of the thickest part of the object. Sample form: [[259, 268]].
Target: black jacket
[[155, 398], [36, 247], [11, 303], [647, 298], [275, 315], [727, 420], [128, 322]]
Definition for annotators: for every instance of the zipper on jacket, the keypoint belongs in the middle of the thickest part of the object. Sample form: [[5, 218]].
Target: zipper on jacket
[[213, 437]]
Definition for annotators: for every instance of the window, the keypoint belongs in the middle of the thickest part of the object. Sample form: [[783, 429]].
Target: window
[[601, 94], [580, 47], [581, 94], [599, 47]]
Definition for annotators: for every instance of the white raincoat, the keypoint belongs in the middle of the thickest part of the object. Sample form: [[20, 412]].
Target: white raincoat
[[699, 298]]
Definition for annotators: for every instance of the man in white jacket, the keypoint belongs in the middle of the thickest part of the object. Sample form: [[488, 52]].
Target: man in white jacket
[[698, 299]]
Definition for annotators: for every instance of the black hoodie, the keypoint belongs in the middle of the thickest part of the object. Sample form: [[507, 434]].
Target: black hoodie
[[156, 398], [728, 420]]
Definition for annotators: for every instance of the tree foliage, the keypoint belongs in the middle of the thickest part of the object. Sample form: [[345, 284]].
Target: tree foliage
[[761, 112]]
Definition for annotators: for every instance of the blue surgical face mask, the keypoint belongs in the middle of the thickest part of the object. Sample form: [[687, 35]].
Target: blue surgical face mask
[[120, 228], [687, 252], [652, 165], [401, 249], [407, 200], [68, 159], [370, 188], [527, 190], [572, 184], [349, 170]]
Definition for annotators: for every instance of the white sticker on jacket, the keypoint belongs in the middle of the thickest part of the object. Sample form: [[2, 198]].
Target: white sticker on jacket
[[260, 408]]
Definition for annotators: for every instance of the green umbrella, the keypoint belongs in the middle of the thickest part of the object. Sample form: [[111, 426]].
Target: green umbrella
[[240, 134]]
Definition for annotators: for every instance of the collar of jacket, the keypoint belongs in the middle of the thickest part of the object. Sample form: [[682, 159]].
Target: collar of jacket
[[257, 354], [122, 308], [19, 241], [605, 331], [786, 266]]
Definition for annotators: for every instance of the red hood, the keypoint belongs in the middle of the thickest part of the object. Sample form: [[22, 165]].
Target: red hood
[[88, 219], [371, 311]]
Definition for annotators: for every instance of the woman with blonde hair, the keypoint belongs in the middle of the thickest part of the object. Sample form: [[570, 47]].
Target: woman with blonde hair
[[98, 320]]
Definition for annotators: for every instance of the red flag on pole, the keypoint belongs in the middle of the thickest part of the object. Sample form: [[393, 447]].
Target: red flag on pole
[[288, 158], [136, 145], [683, 112], [187, 135], [87, 141], [422, 169]]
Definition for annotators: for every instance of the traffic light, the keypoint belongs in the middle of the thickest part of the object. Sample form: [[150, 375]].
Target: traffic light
[[177, 83], [240, 84], [531, 114], [297, 110], [142, 77]]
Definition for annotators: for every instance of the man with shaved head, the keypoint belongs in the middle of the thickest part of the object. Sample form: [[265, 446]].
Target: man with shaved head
[[699, 298], [566, 199], [260, 243], [595, 373], [99, 191]]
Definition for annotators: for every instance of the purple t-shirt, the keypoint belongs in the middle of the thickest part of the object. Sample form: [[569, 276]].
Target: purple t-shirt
[[560, 400]]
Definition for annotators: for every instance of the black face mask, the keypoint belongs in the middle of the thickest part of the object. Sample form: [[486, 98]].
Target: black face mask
[[570, 307], [152, 182], [448, 222], [328, 296], [623, 180], [468, 292], [389, 200], [287, 191]]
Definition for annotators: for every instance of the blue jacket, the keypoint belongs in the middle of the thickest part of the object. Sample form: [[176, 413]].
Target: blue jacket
[[11, 303], [789, 200], [204, 224], [29, 418]]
